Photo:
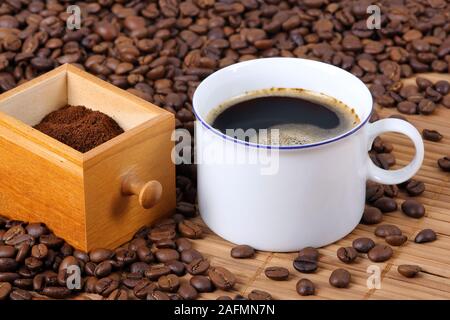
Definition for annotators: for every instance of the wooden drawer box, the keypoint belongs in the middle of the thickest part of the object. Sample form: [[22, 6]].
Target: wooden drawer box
[[93, 199]]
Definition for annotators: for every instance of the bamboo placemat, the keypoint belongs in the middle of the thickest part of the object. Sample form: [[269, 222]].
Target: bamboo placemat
[[434, 258]]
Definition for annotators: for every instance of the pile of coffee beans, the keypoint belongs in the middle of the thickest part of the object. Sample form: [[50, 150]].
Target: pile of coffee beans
[[422, 98], [153, 265]]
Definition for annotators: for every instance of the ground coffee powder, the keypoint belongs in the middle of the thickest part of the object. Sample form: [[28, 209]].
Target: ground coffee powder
[[79, 127]]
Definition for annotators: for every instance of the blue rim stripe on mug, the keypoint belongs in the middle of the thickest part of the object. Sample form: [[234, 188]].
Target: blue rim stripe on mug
[[291, 147], [264, 146]]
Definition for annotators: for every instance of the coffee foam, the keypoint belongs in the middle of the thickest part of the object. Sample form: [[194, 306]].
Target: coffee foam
[[291, 134]]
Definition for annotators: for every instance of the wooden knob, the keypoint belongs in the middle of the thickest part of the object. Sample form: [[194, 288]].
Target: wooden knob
[[149, 193]]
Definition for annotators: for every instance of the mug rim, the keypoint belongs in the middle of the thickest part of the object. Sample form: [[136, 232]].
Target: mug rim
[[285, 147]]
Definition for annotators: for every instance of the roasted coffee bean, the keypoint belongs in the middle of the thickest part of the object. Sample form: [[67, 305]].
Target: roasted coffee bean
[[242, 252], [56, 292], [198, 266], [118, 294], [36, 229], [259, 295], [13, 234], [156, 271], [386, 160], [277, 273], [176, 267], [380, 253], [145, 254], [190, 229], [310, 253], [8, 276], [431, 135], [169, 283], [136, 268], [407, 107], [23, 252], [165, 255], [19, 294], [363, 245], [426, 235], [7, 251], [340, 278], [189, 255], [201, 283], [305, 264], [51, 241], [305, 287], [444, 164], [371, 215], [8, 265], [413, 209], [188, 292], [224, 298], [100, 255], [123, 257], [374, 191], [396, 240], [390, 191], [161, 234], [157, 295], [442, 86], [39, 251], [222, 278], [23, 283], [105, 286], [347, 254], [408, 270], [423, 83], [183, 244], [103, 269], [385, 230], [143, 287], [426, 106], [166, 244], [414, 187], [385, 204], [137, 243], [5, 290]]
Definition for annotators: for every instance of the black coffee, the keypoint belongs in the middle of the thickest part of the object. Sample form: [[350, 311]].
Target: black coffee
[[280, 116]]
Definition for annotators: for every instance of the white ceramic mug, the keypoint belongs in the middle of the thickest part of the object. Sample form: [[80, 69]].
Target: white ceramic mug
[[317, 195]]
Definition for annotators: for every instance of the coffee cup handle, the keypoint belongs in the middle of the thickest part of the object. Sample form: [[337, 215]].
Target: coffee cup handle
[[401, 175]]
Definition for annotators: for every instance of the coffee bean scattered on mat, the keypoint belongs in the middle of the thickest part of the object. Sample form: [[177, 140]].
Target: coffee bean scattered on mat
[[340, 278], [409, 271], [79, 127], [432, 135], [363, 245], [380, 253], [242, 252], [305, 287], [396, 240], [347, 254], [444, 164], [426, 235], [277, 273], [414, 209], [306, 261]]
